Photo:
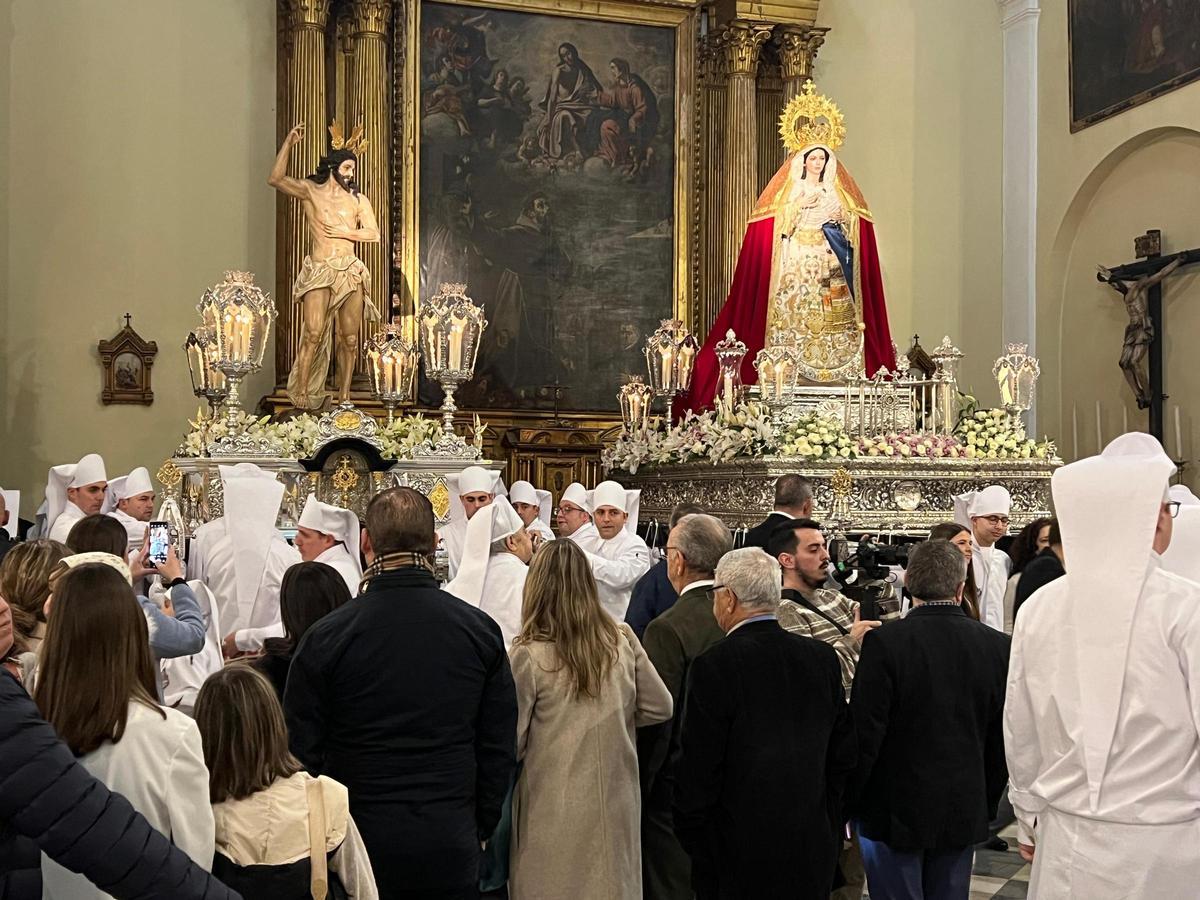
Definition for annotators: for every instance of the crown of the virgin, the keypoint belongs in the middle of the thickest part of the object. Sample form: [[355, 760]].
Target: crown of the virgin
[[356, 144], [812, 118]]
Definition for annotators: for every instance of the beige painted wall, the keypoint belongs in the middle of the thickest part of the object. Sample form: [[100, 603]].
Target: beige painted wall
[[135, 139], [1097, 190], [920, 83]]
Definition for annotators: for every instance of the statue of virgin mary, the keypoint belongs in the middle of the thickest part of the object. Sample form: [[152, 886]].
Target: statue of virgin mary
[[808, 272]]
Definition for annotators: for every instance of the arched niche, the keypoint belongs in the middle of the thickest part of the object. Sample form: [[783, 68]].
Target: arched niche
[[1151, 180]]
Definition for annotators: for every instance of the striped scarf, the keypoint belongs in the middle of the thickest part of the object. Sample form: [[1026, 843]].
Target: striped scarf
[[391, 562]]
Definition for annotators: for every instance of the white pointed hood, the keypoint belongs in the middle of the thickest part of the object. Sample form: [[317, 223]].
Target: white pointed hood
[[492, 523], [471, 480], [341, 524], [1183, 556], [1106, 570], [252, 499], [610, 493], [88, 470], [524, 492], [993, 500], [136, 482]]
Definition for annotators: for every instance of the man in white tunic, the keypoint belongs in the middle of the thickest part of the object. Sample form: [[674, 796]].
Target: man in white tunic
[[575, 517], [1183, 556], [494, 565], [242, 557], [1103, 706], [330, 534], [73, 492], [471, 490], [533, 506], [130, 501], [620, 557], [986, 513]]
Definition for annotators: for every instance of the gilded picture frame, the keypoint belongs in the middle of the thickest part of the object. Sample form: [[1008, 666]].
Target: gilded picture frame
[[679, 17]]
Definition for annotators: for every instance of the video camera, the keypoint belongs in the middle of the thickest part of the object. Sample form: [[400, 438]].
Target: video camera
[[865, 575]]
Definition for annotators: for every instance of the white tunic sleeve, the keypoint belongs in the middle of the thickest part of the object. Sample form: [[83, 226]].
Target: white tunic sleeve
[[1021, 741]]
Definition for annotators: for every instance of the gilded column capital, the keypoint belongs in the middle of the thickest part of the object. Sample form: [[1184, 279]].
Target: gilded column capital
[[298, 14], [741, 42], [371, 16], [797, 46]]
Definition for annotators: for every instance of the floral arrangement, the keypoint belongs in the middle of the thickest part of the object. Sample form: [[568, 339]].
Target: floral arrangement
[[748, 431], [297, 437]]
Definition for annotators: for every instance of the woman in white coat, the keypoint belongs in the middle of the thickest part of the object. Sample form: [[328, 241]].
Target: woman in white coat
[[96, 685]]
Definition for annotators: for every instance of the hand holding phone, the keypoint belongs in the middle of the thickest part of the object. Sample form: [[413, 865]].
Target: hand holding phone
[[160, 542]]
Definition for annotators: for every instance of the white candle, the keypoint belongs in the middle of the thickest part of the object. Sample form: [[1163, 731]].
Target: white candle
[[1178, 436], [635, 410], [779, 380], [668, 359], [373, 361], [728, 392], [1074, 431], [685, 366], [455, 344], [1099, 430]]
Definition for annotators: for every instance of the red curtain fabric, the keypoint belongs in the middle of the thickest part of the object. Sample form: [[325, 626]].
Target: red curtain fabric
[[877, 340]]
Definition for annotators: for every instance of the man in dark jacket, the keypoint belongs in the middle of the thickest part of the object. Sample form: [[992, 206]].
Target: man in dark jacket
[[928, 708], [405, 696], [50, 803], [767, 744], [694, 547], [1042, 569], [654, 594], [793, 500]]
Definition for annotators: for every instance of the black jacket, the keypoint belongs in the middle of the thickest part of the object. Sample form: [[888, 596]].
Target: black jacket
[[767, 744], [757, 536], [1039, 572], [928, 707], [405, 696], [49, 802]]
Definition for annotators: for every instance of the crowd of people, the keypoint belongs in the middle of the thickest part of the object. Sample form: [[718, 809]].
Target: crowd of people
[[501, 708]]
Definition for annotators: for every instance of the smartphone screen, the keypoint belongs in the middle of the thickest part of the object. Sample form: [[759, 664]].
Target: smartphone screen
[[160, 540]]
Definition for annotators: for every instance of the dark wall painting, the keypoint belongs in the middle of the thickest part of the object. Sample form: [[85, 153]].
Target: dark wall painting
[[547, 186], [1126, 52]]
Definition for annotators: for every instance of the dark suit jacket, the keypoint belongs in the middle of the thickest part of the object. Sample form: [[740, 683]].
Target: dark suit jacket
[[652, 596], [1040, 571], [405, 696], [928, 707], [757, 536], [767, 744], [672, 642]]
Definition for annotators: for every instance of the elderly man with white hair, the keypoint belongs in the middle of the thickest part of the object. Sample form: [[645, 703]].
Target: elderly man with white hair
[[986, 513], [470, 491], [494, 566], [242, 557], [766, 748], [575, 517], [130, 500], [74, 491], [619, 558], [1100, 718]]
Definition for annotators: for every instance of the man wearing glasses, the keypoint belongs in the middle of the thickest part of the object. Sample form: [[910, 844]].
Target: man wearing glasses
[[988, 511]]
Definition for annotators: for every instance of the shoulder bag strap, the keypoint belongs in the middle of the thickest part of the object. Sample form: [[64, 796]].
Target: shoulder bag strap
[[319, 885], [803, 601]]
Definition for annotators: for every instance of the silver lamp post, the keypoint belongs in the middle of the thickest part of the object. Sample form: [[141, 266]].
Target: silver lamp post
[[392, 363], [449, 327], [1016, 374]]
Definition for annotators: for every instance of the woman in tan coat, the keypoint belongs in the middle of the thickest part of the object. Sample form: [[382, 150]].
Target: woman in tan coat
[[584, 685]]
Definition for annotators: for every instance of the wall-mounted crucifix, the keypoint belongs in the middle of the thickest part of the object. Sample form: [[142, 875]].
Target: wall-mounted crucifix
[[1140, 285]]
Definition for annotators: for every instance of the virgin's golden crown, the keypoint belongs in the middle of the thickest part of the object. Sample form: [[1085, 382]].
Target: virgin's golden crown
[[812, 118]]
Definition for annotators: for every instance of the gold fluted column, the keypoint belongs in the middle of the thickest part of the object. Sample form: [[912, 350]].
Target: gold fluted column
[[369, 103], [740, 42], [304, 101], [797, 46]]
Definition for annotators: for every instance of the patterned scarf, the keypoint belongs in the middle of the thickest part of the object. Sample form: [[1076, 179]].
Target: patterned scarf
[[391, 562]]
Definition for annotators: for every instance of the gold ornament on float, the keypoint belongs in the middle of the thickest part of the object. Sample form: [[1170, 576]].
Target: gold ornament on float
[[356, 144], [812, 118]]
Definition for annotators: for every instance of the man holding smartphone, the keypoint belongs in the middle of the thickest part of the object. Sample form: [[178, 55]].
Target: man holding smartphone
[[130, 500]]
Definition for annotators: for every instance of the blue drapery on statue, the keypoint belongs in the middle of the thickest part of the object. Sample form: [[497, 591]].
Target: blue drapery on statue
[[839, 243]]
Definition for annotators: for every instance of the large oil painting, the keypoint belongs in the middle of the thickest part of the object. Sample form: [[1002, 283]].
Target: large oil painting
[[547, 186], [1125, 52]]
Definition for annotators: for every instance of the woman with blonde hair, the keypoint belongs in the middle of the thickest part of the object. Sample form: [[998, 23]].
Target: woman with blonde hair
[[96, 685], [25, 585], [280, 833], [584, 685]]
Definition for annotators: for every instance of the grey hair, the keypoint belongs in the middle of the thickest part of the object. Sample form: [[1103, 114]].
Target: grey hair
[[752, 576], [702, 540], [935, 571]]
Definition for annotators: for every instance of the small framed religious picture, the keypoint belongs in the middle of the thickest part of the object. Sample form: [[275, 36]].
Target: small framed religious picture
[[127, 360]]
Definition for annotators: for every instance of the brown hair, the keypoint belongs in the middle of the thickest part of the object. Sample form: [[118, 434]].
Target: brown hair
[[99, 534], [309, 591], [95, 660], [947, 531], [25, 584], [400, 520], [561, 605], [245, 739]]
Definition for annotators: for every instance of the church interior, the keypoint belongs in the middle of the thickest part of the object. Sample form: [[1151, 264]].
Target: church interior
[[364, 244]]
